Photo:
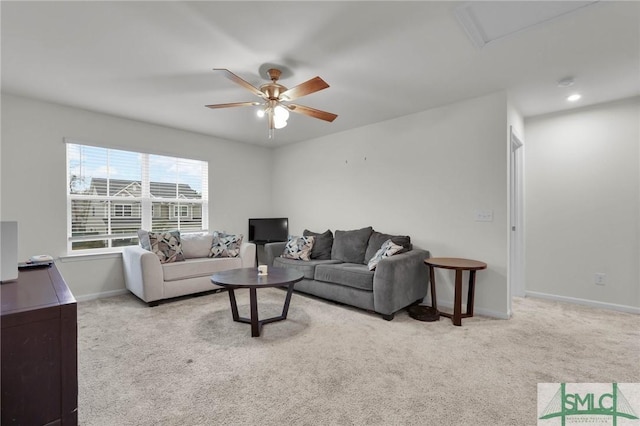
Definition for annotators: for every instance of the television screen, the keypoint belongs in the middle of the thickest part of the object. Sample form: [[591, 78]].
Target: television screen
[[268, 230]]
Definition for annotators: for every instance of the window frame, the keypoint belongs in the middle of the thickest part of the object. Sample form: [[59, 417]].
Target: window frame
[[140, 206]]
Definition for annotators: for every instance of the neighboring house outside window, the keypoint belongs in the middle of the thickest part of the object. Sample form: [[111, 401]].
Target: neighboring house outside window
[[181, 211], [113, 193]]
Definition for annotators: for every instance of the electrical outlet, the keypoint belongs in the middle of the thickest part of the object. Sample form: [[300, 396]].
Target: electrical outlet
[[600, 278], [484, 215]]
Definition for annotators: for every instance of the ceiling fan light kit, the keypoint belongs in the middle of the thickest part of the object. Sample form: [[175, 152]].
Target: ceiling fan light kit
[[274, 95]]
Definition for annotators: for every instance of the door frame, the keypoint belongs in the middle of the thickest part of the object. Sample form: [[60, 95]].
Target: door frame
[[516, 216]]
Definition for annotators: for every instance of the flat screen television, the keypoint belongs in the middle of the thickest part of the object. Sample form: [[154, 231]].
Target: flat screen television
[[268, 230]]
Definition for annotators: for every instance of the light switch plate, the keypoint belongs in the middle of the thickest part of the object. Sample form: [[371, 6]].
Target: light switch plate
[[484, 215]]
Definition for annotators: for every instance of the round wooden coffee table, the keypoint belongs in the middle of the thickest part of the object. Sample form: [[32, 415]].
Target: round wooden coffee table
[[249, 278], [459, 265]]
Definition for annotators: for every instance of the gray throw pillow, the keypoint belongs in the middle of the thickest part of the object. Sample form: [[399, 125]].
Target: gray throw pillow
[[143, 238], [377, 239], [322, 246], [350, 246]]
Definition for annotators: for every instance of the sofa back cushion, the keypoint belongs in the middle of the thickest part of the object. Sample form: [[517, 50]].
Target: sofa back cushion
[[322, 246], [377, 239], [196, 245], [351, 246]]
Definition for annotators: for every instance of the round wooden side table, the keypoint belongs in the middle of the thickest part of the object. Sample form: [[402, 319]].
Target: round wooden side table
[[459, 265]]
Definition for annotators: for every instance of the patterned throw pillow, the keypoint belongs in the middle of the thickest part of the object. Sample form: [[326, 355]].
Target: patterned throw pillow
[[225, 245], [388, 249], [298, 248], [167, 246]]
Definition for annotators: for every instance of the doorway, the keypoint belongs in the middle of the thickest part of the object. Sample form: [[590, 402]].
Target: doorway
[[516, 219]]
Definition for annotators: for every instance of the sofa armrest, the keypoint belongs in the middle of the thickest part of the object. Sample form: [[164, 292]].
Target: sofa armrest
[[273, 250], [400, 280], [248, 255], [143, 274]]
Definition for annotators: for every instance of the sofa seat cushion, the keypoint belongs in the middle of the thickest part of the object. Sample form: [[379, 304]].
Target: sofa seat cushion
[[192, 268], [307, 267], [354, 275]]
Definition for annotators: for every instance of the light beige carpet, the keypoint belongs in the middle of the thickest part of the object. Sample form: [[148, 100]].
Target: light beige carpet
[[187, 363]]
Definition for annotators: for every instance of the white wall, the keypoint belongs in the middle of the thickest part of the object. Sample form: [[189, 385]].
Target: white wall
[[422, 175], [34, 174], [583, 204]]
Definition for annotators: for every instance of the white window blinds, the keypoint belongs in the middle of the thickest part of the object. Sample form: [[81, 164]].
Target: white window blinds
[[113, 193]]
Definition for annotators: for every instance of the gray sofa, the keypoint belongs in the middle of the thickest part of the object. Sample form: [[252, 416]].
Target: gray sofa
[[337, 270]]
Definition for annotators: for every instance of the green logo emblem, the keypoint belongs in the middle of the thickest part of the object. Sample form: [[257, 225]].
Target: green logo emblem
[[587, 404]]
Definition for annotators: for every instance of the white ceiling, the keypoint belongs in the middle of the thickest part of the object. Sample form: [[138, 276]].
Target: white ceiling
[[152, 61]]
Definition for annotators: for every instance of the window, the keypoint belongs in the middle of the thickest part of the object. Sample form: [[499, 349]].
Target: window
[[113, 193], [181, 211], [122, 210]]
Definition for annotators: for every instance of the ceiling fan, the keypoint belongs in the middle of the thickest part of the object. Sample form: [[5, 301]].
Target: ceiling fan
[[276, 98]]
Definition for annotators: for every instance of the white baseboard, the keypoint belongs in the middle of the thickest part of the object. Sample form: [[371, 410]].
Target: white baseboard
[[476, 310], [94, 296], [584, 302]]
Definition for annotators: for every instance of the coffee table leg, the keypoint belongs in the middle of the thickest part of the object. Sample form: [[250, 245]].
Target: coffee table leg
[[255, 324], [472, 284], [234, 305], [285, 309], [457, 305], [432, 278]]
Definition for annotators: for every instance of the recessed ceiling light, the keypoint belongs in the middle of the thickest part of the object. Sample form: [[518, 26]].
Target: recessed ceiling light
[[574, 97]]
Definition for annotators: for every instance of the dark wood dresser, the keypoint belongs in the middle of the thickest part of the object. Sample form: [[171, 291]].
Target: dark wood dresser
[[39, 350]]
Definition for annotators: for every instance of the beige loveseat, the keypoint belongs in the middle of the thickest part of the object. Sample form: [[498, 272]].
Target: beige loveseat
[[153, 281]]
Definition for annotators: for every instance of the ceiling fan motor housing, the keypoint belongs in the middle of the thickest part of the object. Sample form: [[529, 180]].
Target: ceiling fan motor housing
[[274, 74], [272, 90]]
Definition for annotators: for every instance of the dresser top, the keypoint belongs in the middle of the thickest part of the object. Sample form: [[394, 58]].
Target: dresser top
[[35, 289]]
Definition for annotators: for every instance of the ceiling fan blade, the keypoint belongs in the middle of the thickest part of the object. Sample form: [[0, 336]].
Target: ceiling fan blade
[[231, 76], [302, 89], [312, 112], [234, 104]]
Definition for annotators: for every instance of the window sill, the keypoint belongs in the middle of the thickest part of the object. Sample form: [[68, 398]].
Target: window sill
[[81, 257]]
